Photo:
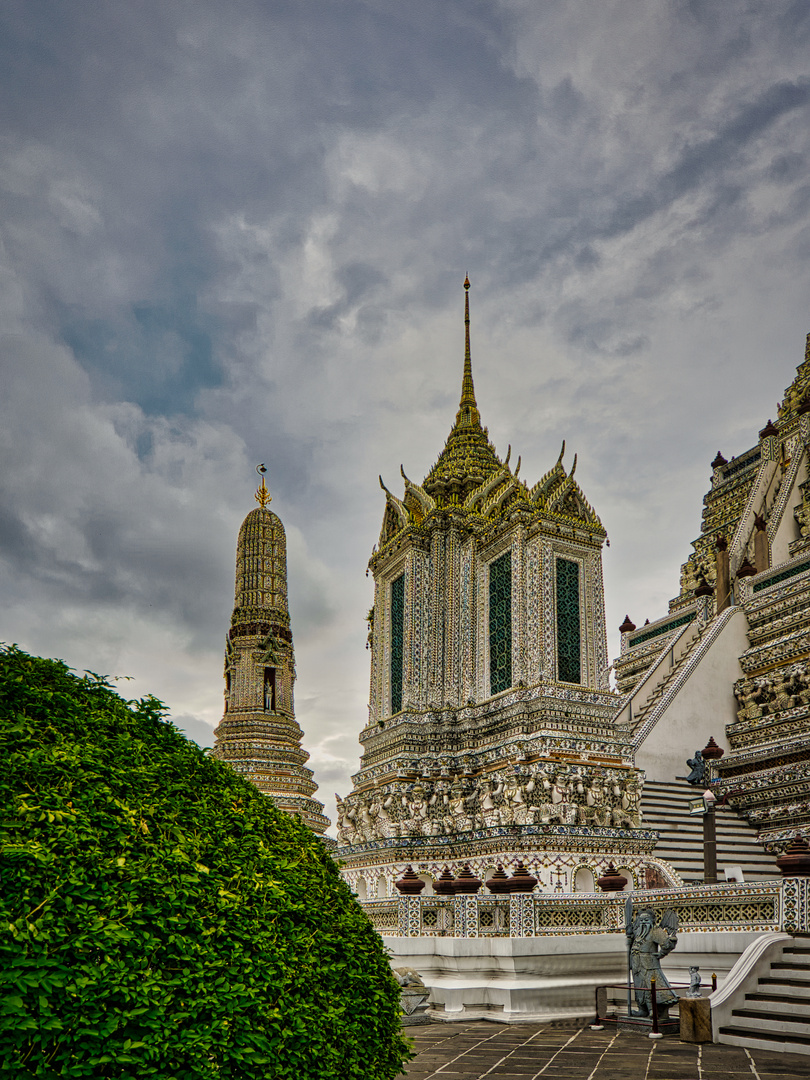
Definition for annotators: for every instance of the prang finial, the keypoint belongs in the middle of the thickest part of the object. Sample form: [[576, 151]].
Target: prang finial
[[467, 388], [262, 496]]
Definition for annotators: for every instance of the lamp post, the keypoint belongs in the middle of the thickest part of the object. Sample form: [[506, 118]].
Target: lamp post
[[709, 840], [704, 805]]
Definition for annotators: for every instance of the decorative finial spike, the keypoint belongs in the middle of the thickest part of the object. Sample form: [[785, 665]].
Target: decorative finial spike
[[262, 496], [467, 388]]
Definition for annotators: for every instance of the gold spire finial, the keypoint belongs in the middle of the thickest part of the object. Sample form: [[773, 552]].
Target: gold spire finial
[[467, 388], [262, 496]]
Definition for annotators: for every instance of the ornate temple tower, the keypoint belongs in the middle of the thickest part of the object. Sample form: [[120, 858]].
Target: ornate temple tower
[[258, 735], [731, 658], [490, 710], [484, 557]]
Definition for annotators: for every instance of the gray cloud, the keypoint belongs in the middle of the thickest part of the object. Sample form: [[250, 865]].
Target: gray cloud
[[237, 233]]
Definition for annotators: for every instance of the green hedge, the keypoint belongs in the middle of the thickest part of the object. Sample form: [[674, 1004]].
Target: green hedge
[[161, 918]]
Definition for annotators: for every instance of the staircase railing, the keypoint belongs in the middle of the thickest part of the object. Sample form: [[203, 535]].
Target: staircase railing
[[637, 699], [683, 672]]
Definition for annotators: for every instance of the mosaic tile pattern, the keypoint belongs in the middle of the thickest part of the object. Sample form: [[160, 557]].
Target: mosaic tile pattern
[[397, 640], [761, 907], [487, 751], [258, 735], [500, 624], [568, 620]]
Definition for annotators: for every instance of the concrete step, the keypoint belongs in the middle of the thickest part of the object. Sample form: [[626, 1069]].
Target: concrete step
[[676, 831], [783, 971], [780, 1005], [769, 1023], [777, 1014], [754, 1040], [676, 841], [664, 808], [788, 995], [778, 983]]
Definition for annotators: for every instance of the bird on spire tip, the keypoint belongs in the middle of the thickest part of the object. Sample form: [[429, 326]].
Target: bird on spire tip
[[262, 495]]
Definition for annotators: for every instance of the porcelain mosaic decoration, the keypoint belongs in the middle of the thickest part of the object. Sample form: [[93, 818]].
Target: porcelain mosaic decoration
[[258, 735], [756, 534], [490, 732], [761, 908]]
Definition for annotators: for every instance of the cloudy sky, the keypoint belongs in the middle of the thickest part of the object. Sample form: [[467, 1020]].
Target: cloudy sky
[[237, 231]]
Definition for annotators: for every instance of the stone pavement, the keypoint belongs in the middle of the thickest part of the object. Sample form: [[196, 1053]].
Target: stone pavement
[[481, 1049]]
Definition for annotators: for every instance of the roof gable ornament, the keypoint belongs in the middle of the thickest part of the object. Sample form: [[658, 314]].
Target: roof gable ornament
[[797, 396], [395, 517]]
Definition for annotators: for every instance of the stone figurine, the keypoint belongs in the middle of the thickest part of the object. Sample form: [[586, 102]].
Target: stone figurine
[[413, 996], [649, 944], [698, 767], [694, 982]]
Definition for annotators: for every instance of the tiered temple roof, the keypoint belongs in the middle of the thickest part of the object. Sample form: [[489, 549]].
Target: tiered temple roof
[[472, 483]]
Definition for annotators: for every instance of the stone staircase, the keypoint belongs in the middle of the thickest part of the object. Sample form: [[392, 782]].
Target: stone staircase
[[665, 808], [776, 1016], [661, 687]]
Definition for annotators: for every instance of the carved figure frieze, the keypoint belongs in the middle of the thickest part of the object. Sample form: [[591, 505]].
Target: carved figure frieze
[[527, 794], [777, 691]]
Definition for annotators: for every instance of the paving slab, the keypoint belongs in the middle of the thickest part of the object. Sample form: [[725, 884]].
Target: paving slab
[[482, 1050]]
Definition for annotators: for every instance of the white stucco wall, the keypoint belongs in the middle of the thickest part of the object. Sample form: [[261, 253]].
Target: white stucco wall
[[550, 977], [513, 980], [700, 710]]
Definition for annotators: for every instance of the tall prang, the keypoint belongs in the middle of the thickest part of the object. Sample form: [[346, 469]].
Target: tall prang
[[730, 659], [258, 735], [490, 735]]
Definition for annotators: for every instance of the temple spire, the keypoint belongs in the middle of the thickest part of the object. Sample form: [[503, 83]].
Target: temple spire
[[467, 409], [467, 388], [468, 457]]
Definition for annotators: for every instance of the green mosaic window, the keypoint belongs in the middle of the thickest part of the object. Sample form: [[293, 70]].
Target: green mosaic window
[[500, 624], [397, 635], [798, 569], [637, 639], [568, 658]]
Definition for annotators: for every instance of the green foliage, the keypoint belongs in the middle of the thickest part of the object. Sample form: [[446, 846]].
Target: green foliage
[[159, 917]]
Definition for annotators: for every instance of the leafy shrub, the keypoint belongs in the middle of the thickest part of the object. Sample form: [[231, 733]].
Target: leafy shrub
[[159, 917]]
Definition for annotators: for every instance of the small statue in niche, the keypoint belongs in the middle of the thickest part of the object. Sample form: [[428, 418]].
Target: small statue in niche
[[631, 803], [751, 697], [698, 767], [648, 945], [347, 830]]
